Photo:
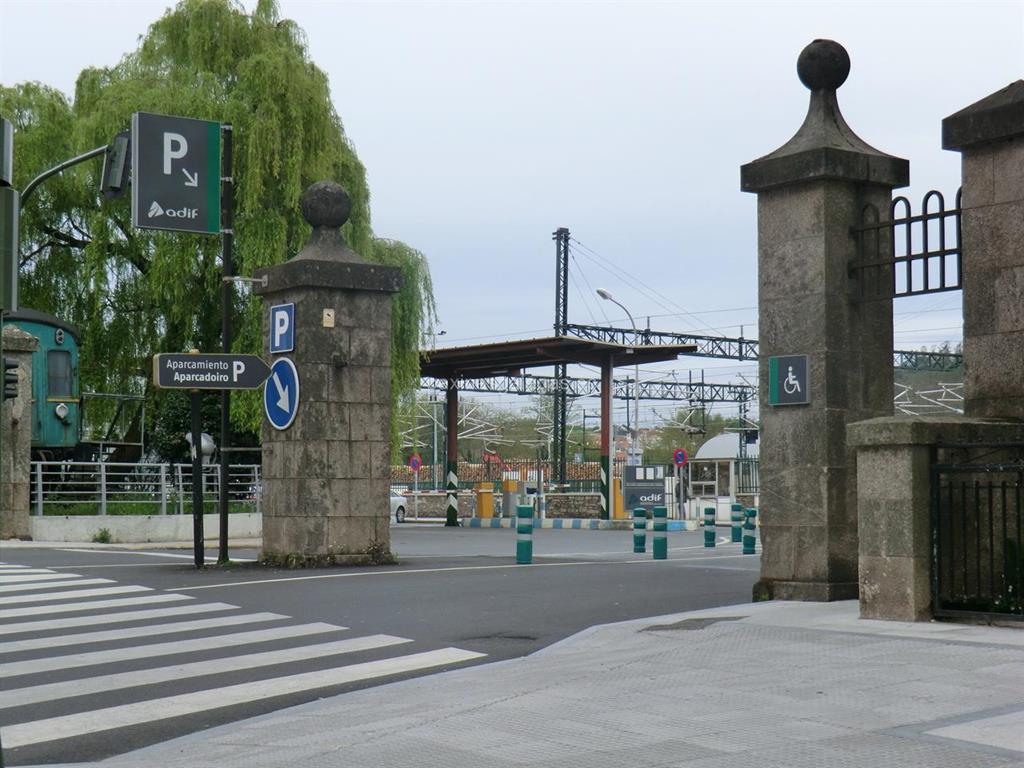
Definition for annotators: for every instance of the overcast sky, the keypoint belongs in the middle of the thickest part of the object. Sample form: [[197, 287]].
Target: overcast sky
[[485, 126]]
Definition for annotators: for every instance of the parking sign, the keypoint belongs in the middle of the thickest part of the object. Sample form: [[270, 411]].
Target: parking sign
[[282, 328]]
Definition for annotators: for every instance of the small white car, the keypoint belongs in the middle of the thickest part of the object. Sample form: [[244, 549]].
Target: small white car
[[398, 507]]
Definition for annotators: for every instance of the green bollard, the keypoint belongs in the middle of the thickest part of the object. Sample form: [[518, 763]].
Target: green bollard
[[524, 534], [736, 518], [709, 526], [750, 532], [639, 530], [660, 546]]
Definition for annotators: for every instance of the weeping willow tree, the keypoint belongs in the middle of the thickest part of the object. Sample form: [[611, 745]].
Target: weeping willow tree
[[134, 293]]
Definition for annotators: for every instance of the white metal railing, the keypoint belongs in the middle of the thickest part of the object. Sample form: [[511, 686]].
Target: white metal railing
[[101, 488]]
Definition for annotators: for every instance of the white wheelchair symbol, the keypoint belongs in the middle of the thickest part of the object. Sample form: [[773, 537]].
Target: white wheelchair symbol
[[791, 384]]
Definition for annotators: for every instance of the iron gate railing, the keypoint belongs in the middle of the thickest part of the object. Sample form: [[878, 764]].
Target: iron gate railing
[[908, 255], [978, 540]]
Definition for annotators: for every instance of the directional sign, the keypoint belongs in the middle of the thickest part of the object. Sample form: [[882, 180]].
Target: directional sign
[[209, 371], [175, 173], [788, 381], [680, 457], [281, 394], [282, 328]]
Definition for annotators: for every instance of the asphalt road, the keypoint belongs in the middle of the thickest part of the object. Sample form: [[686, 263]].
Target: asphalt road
[[194, 649]]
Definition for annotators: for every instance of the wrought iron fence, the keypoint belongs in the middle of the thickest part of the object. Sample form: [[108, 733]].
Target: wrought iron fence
[[101, 488], [908, 255], [978, 539]]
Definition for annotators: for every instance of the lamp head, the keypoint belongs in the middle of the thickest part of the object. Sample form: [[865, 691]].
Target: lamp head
[[604, 294]]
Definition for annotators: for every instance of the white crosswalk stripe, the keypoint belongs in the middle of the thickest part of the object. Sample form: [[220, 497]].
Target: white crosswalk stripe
[[44, 659], [6, 588], [92, 605], [96, 619]]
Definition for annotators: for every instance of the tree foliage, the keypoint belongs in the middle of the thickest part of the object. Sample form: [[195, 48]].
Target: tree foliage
[[134, 293]]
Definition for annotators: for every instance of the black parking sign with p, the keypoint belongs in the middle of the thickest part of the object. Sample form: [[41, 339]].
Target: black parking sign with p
[[175, 173]]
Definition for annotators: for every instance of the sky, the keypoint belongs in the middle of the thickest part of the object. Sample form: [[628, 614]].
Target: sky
[[485, 126]]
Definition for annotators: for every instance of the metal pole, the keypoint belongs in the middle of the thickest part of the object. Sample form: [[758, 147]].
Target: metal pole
[[452, 478], [163, 489], [197, 478], [57, 169], [606, 437], [227, 206]]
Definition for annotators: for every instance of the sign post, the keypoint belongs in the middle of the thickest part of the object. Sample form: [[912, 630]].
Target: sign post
[[195, 372], [680, 457], [176, 173]]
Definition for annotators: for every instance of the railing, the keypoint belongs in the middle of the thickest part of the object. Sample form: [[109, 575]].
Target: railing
[[108, 488], [978, 540]]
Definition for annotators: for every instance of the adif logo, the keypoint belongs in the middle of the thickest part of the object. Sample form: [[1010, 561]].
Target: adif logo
[[172, 213], [652, 497]]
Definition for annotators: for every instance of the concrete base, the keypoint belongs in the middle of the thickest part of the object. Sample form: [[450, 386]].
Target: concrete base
[[133, 529], [812, 591]]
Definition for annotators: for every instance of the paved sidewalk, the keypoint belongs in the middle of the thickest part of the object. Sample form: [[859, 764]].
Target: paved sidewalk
[[771, 685]]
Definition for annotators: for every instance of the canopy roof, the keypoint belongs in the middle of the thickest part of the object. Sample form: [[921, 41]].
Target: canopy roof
[[511, 357]]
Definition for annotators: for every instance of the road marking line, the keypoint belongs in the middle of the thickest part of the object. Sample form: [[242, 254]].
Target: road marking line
[[119, 681], [90, 605], [112, 618], [121, 590], [125, 715], [57, 641], [7, 571], [51, 585], [71, 661], [416, 571]]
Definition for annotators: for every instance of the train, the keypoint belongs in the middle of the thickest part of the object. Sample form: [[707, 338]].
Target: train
[[58, 404]]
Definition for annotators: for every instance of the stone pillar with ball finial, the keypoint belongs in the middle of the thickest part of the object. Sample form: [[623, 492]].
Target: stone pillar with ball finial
[[326, 475], [825, 360]]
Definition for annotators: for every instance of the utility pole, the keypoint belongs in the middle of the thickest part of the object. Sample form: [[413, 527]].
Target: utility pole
[[559, 415], [227, 204]]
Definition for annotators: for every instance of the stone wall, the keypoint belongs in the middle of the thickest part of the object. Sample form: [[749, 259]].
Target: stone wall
[[16, 418], [573, 505]]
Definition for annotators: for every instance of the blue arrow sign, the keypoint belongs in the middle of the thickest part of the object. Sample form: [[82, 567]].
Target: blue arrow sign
[[281, 394]]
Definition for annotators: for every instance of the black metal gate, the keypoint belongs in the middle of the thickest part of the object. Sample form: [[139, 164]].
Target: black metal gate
[[978, 540]]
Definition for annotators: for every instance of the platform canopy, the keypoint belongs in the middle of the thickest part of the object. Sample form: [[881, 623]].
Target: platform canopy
[[506, 358]]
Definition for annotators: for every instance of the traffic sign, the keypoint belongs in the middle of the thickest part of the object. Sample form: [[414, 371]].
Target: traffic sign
[[209, 371], [680, 457], [415, 462], [282, 328], [788, 380], [175, 173], [281, 394]]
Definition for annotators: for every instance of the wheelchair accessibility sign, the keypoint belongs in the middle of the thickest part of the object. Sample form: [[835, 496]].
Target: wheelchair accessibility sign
[[788, 380]]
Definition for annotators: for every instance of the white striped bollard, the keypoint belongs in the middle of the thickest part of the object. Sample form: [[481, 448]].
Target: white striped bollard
[[709, 526], [660, 545], [639, 530], [524, 534], [750, 532]]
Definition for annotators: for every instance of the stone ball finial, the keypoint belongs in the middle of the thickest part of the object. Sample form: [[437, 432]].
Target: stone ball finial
[[823, 65], [326, 204]]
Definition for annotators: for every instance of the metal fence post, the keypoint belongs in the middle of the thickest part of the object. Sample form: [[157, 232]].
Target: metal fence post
[[39, 489], [660, 545], [103, 488], [163, 489], [257, 487], [709, 526], [181, 488]]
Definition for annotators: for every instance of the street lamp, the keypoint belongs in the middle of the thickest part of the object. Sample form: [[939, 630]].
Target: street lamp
[[636, 401]]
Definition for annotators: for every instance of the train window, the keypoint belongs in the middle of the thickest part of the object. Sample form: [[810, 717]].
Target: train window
[[58, 365]]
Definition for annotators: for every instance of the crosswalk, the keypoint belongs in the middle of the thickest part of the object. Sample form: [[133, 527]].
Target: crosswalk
[[85, 656]]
